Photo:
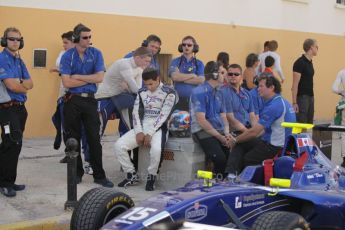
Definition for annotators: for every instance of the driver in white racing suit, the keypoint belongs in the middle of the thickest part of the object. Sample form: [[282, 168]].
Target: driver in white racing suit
[[152, 108]]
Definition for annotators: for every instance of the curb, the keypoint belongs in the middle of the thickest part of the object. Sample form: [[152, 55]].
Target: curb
[[52, 223]]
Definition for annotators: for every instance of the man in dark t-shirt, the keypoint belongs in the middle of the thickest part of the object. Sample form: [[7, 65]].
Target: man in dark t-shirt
[[302, 85]]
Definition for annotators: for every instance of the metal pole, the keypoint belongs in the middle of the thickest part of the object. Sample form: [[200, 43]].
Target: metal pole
[[71, 152]]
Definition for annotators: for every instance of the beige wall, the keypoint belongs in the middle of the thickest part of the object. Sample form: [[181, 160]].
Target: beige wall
[[116, 35]]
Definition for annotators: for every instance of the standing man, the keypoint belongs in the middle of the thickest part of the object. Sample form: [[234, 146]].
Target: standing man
[[186, 71], [239, 105], [152, 109], [82, 68], [153, 43], [14, 85], [247, 149], [302, 83], [208, 119]]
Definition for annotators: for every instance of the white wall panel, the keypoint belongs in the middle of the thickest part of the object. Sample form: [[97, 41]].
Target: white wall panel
[[319, 16]]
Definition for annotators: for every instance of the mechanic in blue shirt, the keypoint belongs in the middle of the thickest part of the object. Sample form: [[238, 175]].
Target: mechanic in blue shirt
[[82, 67], [15, 82], [153, 43], [186, 71], [249, 150], [239, 105], [258, 102], [208, 119]]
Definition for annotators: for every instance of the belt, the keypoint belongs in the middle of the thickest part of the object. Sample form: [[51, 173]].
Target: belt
[[92, 95], [10, 104]]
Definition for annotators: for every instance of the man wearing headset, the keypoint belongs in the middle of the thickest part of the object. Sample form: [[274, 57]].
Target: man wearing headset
[[153, 43], [15, 82], [186, 71], [208, 119], [82, 67]]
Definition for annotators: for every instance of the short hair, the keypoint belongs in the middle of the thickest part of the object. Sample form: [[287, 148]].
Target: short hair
[[223, 59], [273, 45], [308, 43], [153, 38], [191, 38], [150, 74], [251, 59], [236, 66], [271, 81], [210, 69], [80, 28], [68, 35], [11, 29], [266, 43], [269, 61], [142, 52]]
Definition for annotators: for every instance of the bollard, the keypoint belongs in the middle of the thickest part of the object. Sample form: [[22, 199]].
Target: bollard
[[71, 152]]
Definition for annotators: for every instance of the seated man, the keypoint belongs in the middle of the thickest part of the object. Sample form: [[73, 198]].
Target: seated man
[[249, 150], [152, 108], [208, 119]]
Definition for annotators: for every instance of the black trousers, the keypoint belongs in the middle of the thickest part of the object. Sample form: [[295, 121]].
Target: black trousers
[[84, 109], [183, 104], [252, 152], [12, 121], [306, 109], [214, 150]]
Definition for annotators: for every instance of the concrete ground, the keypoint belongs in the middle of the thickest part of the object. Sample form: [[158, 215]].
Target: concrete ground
[[45, 178]]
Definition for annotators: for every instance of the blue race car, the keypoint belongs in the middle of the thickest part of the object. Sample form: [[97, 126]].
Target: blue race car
[[299, 189]]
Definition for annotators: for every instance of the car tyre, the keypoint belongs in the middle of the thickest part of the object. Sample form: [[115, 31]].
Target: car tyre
[[97, 207], [279, 220]]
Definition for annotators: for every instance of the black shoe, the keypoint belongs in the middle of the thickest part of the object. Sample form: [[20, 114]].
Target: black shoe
[[18, 187], [8, 191], [150, 182], [64, 160], [104, 182], [132, 178]]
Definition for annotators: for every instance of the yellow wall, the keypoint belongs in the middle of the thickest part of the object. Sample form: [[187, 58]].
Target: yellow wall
[[117, 35]]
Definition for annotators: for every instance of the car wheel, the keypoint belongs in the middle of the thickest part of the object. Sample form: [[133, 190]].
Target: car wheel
[[97, 207], [279, 220]]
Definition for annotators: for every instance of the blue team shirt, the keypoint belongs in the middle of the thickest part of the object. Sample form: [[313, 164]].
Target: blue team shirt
[[92, 63], [238, 103], [208, 100], [153, 64], [186, 66], [258, 102], [12, 67], [275, 111]]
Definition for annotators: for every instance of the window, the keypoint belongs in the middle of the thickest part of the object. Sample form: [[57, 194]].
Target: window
[[342, 2]]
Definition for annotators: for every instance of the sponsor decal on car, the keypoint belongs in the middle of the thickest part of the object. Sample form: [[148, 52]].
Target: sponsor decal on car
[[196, 213], [249, 200]]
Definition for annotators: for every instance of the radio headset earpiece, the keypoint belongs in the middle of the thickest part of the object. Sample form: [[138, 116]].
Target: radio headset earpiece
[[3, 41], [77, 31]]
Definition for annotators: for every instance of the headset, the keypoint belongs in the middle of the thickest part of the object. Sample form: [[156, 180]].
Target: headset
[[195, 45], [151, 38], [211, 69], [4, 39], [77, 31]]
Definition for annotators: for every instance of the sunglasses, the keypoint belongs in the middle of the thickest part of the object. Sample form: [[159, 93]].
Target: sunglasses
[[234, 74], [188, 45], [15, 39], [86, 37]]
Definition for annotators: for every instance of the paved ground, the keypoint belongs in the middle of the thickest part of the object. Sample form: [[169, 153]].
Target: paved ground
[[45, 177]]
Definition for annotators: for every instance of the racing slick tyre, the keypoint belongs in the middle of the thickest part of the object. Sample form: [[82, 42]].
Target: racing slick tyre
[[97, 207], [279, 220]]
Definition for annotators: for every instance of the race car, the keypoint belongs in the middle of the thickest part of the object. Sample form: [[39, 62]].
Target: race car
[[299, 189]]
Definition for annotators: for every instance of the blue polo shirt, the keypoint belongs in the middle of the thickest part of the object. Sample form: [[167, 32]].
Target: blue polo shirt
[[208, 100], [154, 63], [275, 111], [238, 103], [11, 67], [258, 102], [92, 63], [186, 66]]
